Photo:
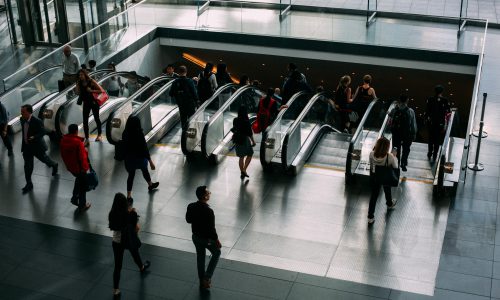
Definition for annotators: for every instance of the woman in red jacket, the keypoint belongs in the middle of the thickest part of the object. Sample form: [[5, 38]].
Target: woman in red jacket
[[76, 159]]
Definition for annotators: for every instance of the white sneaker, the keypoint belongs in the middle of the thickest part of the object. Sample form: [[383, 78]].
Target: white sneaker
[[391, 207], [86, 142], [371, 221]]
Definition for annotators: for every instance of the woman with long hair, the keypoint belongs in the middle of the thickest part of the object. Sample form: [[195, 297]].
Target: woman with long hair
[[364, 94], [380, 156], [342, 100], [243, 138], [85, 87], [136, 154], [121, 218], [207, 83]]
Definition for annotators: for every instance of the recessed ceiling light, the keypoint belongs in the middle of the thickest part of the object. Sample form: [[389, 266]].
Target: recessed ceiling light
[[400, 77]]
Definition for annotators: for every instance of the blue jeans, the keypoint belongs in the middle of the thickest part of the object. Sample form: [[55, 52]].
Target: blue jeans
[[201, 244]]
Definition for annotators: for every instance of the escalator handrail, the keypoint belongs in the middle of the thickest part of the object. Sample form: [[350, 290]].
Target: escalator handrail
[[296, 123], [146, 103], [26, 80], [386, 119], [216, 94], [280, 115], [363, 120], [141, 107], [220, 113], [443, 152]]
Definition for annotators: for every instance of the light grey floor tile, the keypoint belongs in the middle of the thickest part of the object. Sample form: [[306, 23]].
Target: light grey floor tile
[[465, 265], [463, 283]]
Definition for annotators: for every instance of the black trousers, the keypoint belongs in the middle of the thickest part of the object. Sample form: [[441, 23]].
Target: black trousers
[[374, 197], [436, 138], [80, 189], [29, 156], [118, 251], [403, 144], [185, 114], [6, 140], [131, 176], [94, 107]]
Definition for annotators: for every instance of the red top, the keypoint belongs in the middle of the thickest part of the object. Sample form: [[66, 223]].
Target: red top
[[74, 154]]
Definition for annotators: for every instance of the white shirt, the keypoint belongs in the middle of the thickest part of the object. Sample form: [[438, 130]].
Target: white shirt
[[392, 161], [71, 64]]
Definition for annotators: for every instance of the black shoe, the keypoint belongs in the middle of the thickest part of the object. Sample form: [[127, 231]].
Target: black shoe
[[27, 188], [246, 174], [145, 266], [242, 176], [10, 153], [403, 168], [74, 200], [54, 169], [85, 208], [429, 155], [130, 201], [153, 186]]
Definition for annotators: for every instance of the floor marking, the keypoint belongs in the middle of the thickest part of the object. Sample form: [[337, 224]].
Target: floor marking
[[173, 146], [324, 168]]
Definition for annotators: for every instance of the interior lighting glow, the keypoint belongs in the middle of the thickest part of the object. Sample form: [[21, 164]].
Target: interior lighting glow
[[201, 63]]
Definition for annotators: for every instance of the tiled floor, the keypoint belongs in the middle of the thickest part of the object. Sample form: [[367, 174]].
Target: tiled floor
[[311, 225]]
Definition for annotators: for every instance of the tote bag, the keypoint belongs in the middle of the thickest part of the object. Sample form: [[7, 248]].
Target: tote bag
[[100, 98], [387, 175]]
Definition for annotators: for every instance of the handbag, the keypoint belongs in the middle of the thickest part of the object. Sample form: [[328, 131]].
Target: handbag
[[130, 238], [100, 98], [92, 180], [387, 175]]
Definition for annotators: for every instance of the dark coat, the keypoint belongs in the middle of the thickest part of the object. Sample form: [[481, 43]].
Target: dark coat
[[37, 131]]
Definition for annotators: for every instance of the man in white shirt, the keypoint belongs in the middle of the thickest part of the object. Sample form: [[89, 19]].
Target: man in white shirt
[[71, 66]]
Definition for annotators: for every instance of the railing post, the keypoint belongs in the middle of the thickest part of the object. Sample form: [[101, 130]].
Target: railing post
[[477, 166]]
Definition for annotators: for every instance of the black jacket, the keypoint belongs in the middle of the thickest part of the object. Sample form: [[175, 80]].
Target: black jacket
[[135, 146], [185, 94], [37, 131], [202, 220]]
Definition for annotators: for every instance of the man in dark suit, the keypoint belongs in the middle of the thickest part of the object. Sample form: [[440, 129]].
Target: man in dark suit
[[33, 145]]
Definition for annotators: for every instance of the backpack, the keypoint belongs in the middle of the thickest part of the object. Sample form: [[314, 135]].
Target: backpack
[[401, 122], [181, 92], [204, 87], [263, 117]]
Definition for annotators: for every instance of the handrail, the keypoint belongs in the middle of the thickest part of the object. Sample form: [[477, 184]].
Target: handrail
[[475, 93], [443, 152], [296, 123], [386, 120], [348, 164], [153, 97], [276, 121], [25, 80], [144, 88], [209, 101], [219, 113], [98, 27], [363, 120], [201, 110]]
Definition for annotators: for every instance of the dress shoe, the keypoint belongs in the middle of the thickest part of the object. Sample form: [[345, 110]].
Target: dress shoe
[[145, 266], [85, 208], [205, 284], [28, 187], [10, 153], [74, 200], [54, 169]]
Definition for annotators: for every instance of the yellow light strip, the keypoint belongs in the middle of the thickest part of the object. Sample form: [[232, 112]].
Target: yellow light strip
[[195, 60]]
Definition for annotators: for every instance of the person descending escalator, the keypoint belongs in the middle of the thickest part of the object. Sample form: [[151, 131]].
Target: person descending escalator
[[85, 88], [185, 94], [363, 95], [267, 112], [223, 78], [207, 83], [437, 110], [342, 101], [113, 84], [404, 129], [169, 72], [294, 84]]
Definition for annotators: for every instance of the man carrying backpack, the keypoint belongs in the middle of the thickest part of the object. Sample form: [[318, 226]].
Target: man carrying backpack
[[184, 92], [404, 129]]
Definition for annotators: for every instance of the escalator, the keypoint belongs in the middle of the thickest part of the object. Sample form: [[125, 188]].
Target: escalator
[[36, 91], [64, 110], [158, 114], [314, 138], [191, 138]]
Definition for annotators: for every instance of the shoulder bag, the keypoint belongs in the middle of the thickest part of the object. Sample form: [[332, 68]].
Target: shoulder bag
[[387, 175]]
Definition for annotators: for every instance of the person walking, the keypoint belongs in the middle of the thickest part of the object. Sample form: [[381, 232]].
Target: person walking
[[404, 129], [33, 145], [437, 109], [380, 156], [76, 159], [136, 154], [71, 65], [186, 96], [124, 222], [243, 138], [202, 220], [4, 126], [85, 87]]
